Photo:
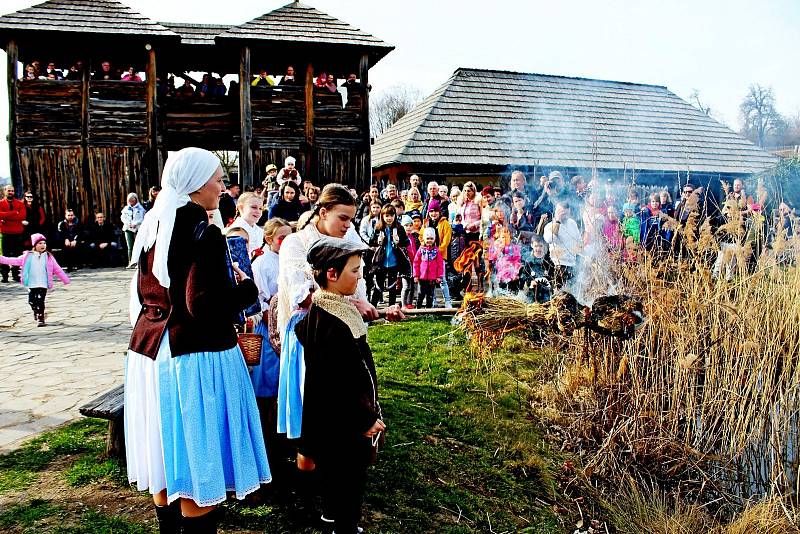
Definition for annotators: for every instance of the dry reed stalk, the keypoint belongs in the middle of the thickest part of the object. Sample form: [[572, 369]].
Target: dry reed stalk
[[706, 394]]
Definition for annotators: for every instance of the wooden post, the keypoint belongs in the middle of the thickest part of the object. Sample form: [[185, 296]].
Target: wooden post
[[246, 120], [85, 170], [363, 74], [153, 167], [13, 54], [309, 146]]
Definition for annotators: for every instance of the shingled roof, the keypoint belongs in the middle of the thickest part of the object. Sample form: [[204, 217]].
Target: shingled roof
[[302, 23], [83, 16], [498, 118], [196, 34]]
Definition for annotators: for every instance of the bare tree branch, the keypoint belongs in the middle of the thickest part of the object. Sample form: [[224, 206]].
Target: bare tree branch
[[229, 161], [390, 105], [695, 98]]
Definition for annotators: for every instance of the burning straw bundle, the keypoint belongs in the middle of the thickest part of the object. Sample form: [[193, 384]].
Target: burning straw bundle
[[508, 314], [496, 316]]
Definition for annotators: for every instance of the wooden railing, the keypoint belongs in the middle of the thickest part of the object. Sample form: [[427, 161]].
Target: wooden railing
[[48, 113], [211, 123], [117, 113]]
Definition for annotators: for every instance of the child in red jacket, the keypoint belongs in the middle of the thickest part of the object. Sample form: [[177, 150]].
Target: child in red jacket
[[428, 268]]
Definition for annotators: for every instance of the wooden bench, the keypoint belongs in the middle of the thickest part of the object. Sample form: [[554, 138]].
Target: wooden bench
[[110, 405]]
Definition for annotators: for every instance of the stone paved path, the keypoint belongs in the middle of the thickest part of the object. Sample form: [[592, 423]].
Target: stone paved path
[[47, 373]]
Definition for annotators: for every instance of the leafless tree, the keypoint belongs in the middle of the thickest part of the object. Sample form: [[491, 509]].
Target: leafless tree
[[229, 161], [758, 114], [694, 98], [390, 105]]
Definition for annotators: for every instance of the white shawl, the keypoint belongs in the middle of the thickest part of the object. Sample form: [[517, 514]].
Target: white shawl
[[185, 172]]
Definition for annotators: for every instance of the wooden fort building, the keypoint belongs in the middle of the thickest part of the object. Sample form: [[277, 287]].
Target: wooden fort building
[[87, 142]]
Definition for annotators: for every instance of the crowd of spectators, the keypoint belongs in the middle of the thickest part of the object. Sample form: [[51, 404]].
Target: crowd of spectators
[[532, 236], [208, 86]]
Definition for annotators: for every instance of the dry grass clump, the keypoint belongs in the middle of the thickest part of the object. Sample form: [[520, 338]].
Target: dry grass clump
[[705, 399], [638, 509]]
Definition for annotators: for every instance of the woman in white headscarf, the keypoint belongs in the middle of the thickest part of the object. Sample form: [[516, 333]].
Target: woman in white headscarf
[[192, 429]]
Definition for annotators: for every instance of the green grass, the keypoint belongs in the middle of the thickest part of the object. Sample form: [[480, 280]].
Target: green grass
[[456, 459], [461, 455], [44, 517], [90, 468], [92, 522], [18, 469], [28, 514]]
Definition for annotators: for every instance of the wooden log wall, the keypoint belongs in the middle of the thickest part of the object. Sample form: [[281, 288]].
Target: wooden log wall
[[347, 167], [126, 166], [56, 176], [337, 126], [117, 113], [48, 113], [94, 170], [279, 117], [212, 124]]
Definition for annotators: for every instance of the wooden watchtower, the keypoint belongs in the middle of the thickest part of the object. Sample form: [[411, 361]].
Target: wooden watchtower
[[87, 142]]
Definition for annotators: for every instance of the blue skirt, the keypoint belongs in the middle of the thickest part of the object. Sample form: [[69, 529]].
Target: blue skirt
[[210, 427], [265, 375]]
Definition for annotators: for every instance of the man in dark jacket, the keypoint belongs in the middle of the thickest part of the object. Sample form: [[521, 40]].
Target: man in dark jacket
[[227, 203], [12, 215], [70, 238], [102, 241]]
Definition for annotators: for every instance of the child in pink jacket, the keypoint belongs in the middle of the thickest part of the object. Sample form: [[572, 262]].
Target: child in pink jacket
[[38, 268], [428, 267]]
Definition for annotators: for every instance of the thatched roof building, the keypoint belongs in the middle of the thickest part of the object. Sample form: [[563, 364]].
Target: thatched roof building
[[481, 124]]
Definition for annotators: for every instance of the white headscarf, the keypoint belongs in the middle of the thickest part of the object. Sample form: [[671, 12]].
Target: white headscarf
[[185, 172]]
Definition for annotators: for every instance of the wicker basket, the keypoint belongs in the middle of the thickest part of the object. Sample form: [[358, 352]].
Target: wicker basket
[[250, 344]]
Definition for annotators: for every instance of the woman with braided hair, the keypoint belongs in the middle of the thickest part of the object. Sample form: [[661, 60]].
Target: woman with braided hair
[[332, 216]]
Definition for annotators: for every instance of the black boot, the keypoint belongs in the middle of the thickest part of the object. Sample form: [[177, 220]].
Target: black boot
[[40, 319], [204, 524], [169, 518]]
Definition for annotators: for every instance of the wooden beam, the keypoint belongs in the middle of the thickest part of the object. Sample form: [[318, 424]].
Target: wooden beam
[[86, 173], [153, 167], [246, 121], [363, 74], [12, 53], [308, 169]]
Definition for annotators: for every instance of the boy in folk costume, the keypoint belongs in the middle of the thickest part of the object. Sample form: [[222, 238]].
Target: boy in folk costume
[[342, 421]]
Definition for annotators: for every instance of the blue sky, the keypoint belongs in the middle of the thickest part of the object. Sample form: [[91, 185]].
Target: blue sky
[[717, 47]]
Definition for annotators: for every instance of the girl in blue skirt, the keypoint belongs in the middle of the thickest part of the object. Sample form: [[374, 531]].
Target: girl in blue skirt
[[192, 428], [265, 375]]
